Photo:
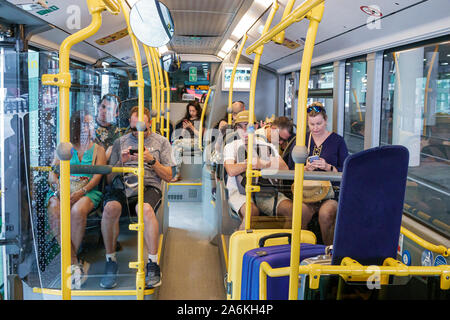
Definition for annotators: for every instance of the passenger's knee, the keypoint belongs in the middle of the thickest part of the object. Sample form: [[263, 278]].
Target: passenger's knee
[[327, 214], [149, 213], [112, 210]]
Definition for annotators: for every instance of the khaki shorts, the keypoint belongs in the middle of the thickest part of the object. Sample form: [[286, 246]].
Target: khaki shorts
[[264, 201]]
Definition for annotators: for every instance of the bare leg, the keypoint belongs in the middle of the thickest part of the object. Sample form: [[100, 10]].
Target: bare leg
[[254, 212], [79, 213], [110, 225], [307, 214], [327, 220], [151, 229]]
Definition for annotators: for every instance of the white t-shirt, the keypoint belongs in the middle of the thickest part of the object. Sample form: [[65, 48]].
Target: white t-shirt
[[230, 152]]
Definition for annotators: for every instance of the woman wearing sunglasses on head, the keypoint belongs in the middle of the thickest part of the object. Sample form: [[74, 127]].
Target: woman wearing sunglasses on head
[[327, 152]]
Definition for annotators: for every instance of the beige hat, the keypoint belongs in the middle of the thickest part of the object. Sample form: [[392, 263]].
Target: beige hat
[[242, 117]]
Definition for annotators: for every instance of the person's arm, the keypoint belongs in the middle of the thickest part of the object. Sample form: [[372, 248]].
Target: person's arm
[[233, 168], [164, 168]]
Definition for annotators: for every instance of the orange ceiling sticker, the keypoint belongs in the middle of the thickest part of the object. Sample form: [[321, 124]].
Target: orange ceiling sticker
[[112, 37]]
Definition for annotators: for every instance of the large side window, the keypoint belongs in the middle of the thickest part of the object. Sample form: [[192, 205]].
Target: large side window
[[355, 103], [416, 114]]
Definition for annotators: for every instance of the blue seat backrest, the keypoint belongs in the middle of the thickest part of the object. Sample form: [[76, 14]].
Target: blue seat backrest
[[371, 205]]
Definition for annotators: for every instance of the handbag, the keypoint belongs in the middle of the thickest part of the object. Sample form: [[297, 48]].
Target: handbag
[[316, 190], [79, 182]]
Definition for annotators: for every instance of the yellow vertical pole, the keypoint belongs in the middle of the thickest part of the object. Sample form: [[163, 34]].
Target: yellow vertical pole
[[63, 81], [158, 87], [315, 16], [139, 227], [249, 188], [152, 81], [279, 38], [202, 118], [233, 73], [160, 117], [166, 76]]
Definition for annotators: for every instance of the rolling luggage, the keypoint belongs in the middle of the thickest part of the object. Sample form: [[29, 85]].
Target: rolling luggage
[[277, 257], [245, 240]]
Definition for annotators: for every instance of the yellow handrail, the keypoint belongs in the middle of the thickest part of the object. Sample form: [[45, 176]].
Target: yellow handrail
[[425, 244], [233, 73], [166, 77], [63, 81], [158, 88], [112, 6], [314, 17], [295, 16], [279, 38], [350, 267], [202, 118], [139, 227], [160, 117], [249, 188], [152, 82]]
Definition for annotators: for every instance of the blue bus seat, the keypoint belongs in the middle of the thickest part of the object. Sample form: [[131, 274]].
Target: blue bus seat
[[370, 208]]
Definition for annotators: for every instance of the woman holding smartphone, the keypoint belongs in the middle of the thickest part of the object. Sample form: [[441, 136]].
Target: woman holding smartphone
[[186, 134], [327, 152]]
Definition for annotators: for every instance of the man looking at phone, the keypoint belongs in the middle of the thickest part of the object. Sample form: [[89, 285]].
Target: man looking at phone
[[121, 193]]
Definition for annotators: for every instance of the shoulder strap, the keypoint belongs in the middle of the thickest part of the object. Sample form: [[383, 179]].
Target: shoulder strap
[[94, 154], [309, 142]]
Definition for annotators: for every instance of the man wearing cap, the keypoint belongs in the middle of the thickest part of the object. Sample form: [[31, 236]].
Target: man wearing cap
[[235, 163]]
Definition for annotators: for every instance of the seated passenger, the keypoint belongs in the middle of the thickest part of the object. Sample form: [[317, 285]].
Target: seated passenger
[[186, 134], [235, 166], [107, 128], [84, 196], [332, 151], [277, 132], [122, 192]]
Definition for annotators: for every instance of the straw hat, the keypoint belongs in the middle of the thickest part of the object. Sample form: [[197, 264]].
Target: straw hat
[[315, 190]]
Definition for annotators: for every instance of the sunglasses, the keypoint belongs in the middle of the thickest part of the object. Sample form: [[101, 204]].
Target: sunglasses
[[134, 129], [316, 109]]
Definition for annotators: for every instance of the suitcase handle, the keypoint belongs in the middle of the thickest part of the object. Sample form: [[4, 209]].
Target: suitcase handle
[[263, 240]]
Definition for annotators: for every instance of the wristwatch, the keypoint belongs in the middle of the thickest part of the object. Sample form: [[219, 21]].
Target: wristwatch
[[152, 162]]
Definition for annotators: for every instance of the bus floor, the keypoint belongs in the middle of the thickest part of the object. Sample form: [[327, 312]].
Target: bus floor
[[190, 266]]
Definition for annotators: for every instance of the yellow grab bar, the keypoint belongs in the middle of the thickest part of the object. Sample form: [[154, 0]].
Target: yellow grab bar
[[425, 244], [249, 188], [160, 118], [297, 15], [112, 6], [315, 16], [233, 73], [202, 118], [158, 89], [166, 76], [351, 268], [279, 38], [139, 265], [151, 71]]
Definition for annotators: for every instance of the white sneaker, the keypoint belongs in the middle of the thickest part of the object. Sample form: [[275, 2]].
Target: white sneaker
[[79, 274]]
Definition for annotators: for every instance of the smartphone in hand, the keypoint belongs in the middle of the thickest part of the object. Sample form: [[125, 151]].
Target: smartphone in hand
[[313, 158]]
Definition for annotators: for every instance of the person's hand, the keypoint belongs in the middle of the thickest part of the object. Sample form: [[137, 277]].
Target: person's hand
[[309, 166], [258, 164], [77, 195], [320, 164], [125, 155], [147, 155]]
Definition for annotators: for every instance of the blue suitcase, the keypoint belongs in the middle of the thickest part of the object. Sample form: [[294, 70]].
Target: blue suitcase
[[276, 257]]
